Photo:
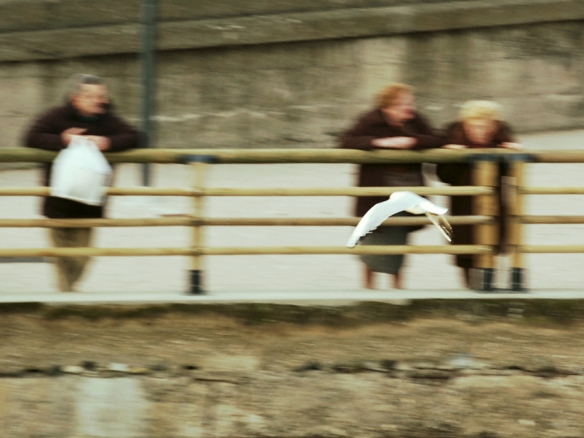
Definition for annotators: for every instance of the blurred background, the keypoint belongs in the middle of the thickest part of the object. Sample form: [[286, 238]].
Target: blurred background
[[287, 73]]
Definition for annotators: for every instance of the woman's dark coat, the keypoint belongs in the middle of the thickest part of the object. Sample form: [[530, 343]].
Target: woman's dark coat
[[374, 125], [460, 174]]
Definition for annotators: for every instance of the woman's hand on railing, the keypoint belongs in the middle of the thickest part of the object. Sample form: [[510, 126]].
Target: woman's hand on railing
[[394, 142], [454, 146]]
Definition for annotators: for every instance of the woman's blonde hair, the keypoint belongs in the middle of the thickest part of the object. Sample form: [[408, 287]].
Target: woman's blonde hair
[[480, 109], [389, 94]]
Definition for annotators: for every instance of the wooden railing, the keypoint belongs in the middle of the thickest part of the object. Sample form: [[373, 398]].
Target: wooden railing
[[484, 190]]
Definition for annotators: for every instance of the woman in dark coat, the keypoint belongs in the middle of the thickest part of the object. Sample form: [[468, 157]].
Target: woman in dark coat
[[394, 124], [479, 126]]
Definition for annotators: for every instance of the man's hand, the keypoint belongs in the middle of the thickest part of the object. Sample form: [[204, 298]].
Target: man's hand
[[102, 143], [394, 142], [68, 134]]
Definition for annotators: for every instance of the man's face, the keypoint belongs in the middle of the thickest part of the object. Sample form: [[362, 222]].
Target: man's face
[[91, 100]]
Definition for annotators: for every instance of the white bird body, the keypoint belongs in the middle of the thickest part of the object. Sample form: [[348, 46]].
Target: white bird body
[[400, 201]]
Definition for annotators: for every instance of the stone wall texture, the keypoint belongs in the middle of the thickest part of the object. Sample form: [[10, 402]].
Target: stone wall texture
[[430, 369], [295, 74]]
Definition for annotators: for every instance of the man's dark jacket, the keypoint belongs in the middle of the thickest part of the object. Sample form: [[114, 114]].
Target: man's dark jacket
[[45, 133]]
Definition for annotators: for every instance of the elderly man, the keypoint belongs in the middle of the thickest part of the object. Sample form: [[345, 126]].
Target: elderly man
[[87, 113]]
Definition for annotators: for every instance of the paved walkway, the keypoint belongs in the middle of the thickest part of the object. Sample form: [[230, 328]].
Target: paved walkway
[[277, 277], [308, 298]]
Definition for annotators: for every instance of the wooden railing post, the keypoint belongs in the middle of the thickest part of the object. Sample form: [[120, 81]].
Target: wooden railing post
[[199, 165], [516, 210], [515, 229], [485, 173]]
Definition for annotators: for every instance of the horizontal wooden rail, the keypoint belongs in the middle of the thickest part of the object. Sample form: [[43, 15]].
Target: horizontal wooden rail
[[394, 221], [93, 252], [349, 191], [83, 223], [551, 190], [276, 191], [551, 249], [267, 250], [557, 156], [261, 156], [552, 219], [116, 191], [278, 155], [188, 221], [374, 249]]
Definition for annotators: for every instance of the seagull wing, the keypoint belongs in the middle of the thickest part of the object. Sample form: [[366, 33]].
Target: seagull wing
[[442, 225], [430, 207], [376, 215]]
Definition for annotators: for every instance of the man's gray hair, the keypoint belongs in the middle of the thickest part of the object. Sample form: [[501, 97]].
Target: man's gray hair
[[77, 80]]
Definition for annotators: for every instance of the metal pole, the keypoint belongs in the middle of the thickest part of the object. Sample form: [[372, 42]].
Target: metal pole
[[148, 80]]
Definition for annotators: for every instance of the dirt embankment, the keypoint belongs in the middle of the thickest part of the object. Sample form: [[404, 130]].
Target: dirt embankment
[[490, 369]]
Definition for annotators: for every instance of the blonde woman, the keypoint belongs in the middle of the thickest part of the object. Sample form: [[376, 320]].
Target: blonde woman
[[480, 125]]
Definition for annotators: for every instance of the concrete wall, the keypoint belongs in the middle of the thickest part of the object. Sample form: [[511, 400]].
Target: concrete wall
[[368, 404], [300, 72], [19, 15]]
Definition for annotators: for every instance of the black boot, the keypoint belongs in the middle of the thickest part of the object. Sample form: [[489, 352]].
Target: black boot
[[196, 283], [517, 280], [483, 279]]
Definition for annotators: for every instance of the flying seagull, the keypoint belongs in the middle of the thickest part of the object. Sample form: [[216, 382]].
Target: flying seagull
[[400, 201]]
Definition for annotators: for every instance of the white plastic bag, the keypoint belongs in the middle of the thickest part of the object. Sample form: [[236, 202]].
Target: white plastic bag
[[81, 173]]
